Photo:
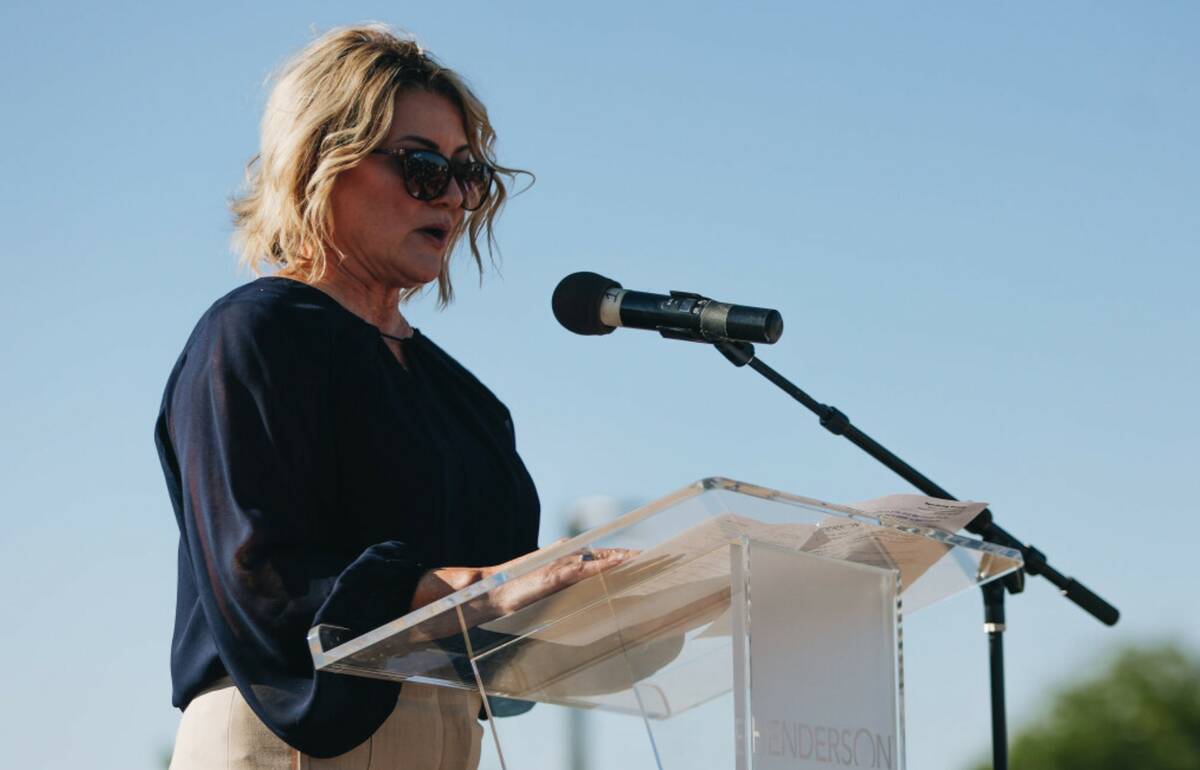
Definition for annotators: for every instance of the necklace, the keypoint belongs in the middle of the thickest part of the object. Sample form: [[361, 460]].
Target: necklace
[[393, 337]]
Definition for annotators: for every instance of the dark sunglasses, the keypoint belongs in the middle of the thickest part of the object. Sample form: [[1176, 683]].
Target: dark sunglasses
[[427, 174]]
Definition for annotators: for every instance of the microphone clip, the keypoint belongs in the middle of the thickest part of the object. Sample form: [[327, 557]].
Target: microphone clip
[[687, 302]]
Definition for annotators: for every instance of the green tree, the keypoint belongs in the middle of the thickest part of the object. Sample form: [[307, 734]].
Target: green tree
[[1142, 713]]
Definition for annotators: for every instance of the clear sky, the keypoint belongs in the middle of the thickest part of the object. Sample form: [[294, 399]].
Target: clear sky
[[979, 221]]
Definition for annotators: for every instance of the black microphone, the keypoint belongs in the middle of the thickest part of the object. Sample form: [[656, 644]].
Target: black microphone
[[587, 303]]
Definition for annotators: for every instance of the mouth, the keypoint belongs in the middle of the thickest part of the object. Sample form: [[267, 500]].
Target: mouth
[[436, 233]]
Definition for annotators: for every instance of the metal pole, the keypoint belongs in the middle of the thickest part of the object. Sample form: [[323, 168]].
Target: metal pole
[[994, 625]]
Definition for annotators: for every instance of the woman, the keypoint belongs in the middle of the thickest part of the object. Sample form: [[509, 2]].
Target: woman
[[328, 463]]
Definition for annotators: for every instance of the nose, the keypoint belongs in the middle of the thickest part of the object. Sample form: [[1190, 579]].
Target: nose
[[452, 197]]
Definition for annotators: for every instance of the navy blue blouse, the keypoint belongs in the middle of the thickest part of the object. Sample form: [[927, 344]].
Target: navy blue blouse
[[314, 479]]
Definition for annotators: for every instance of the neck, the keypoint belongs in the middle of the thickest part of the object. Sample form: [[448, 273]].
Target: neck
[[371, 301]]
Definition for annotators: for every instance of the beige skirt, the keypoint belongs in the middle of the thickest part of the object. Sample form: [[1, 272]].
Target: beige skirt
[[431, 728]]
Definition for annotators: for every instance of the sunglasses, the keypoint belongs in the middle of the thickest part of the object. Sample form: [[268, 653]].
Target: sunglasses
[[427, 174]]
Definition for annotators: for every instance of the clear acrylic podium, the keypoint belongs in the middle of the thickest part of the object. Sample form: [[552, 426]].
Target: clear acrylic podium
[[755, 629]]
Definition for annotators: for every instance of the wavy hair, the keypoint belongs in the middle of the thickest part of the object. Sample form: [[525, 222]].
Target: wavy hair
[[330, 105]]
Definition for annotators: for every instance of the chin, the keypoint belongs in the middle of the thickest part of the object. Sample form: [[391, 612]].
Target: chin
[[415, 279], [410, 273]]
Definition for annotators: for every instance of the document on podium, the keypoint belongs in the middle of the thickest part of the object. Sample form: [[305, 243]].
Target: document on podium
[[838, 538], [915, 510]]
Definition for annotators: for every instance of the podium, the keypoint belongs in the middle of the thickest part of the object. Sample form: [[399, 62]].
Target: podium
[[753, 629]]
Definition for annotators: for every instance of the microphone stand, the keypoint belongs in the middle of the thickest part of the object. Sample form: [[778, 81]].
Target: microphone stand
[[832, 419]]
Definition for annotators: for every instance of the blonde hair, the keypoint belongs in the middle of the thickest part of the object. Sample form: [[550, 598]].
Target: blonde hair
[[330, 106]]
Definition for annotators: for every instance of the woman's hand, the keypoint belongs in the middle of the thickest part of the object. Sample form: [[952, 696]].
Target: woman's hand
[[551, 578], [522, 591]]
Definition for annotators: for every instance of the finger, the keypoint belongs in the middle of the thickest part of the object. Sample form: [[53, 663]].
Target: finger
[[602, 561], [584, 564], [619, 554], [601, 554], [594, 554]]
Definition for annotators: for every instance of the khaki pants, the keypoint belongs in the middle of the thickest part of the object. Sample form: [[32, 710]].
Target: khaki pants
[[431, 728]]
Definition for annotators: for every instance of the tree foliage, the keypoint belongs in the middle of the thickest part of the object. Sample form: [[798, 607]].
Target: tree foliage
[[1143, 712]]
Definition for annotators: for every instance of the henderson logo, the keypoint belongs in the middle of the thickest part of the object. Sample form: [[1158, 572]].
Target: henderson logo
[[850, 747]]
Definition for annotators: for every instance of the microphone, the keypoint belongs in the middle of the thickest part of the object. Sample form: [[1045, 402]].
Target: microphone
[[587, 303]]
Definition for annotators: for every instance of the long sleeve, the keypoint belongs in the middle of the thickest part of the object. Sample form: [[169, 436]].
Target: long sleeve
[[248, 436]]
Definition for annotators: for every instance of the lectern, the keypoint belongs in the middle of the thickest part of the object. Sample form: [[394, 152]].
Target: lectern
[[753, 629]]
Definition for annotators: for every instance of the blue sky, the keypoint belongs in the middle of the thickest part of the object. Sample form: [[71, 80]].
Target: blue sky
[[979, 222]]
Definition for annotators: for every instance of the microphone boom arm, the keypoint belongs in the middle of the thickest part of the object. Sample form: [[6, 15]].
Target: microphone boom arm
[[984, 525]]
